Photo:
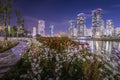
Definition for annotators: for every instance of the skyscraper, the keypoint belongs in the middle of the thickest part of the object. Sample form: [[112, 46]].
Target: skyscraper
[[41, 27], [109, 28], [102, 28], [34, 31], [81, 20], [117, 31], [75, 32], [97, 22], [88, 32], [52, 30], [71, 28]]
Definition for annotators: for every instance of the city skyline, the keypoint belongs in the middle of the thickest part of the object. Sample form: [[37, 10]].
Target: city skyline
[[59, 12]]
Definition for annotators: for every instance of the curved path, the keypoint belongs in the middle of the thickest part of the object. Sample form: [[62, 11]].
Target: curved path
[[12, 56]]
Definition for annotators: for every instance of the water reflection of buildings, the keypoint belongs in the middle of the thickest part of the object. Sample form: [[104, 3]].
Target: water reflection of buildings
[[106, 46]]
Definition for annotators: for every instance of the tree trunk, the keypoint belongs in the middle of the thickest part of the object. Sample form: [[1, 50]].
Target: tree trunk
[[6, 25]]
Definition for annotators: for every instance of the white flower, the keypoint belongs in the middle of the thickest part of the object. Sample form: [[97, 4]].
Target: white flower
[[35, 72], [39, 58], [34, 79], [119, 62], [56, 70], [34, 60], [80, 47], [87, 57], [106, 78], [91, 57], [57, 78], [108, 67], [79, 56], [75, 50], [37, 65], [75, 70], [83, 59], [33, 64], [57, 57], [101, 70], [50, 78], [38, 77], [99, 59], [39, 71], [61, 66]]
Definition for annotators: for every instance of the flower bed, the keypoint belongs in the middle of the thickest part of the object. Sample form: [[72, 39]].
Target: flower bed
[[5, 45], [45, 63]]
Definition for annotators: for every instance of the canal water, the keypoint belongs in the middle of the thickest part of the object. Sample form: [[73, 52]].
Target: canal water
[[107, 47]]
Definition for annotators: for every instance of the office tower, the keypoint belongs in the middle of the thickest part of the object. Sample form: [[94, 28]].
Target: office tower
[[75, 32], [102, 28], [81, 20], [117, 31], [89, 32], [34, 31], [41, 27], [109, 28], [71, 28], [52, 30], [97, 22]]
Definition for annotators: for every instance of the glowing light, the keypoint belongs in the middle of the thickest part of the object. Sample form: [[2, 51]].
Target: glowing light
[[97, 33]]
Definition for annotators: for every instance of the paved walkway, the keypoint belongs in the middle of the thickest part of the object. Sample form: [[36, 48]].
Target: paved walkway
[[11, 57]]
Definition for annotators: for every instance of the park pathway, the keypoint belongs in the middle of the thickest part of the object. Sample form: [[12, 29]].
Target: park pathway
[[12, 56]]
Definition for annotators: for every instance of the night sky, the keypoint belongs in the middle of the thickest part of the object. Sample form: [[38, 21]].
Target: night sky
[[59, 12]]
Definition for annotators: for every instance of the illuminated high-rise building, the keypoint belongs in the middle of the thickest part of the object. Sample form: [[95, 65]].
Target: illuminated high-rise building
[[52, 30], [117, 31], [102, 28], [71, 28], [34, 31], [97, 22], [89, 32], [41, 27], [109, 28], [81, 20], [75, 30]]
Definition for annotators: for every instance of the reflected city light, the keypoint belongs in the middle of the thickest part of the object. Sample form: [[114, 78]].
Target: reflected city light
[[106, 46]]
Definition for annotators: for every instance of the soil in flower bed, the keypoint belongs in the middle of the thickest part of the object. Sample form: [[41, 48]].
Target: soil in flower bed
[[59, 43]]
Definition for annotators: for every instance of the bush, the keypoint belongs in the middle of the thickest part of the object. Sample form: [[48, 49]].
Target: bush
[[5, 45]]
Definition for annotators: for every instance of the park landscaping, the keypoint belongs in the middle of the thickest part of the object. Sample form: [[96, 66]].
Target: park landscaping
[[7, 44], [60, 58]]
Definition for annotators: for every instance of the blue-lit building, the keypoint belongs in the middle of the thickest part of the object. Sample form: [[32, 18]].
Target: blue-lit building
[[52, 30], [81, 24], [71, 27]]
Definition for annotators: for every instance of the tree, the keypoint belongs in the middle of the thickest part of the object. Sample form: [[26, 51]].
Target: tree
[[5, 12], [15, 31], [20, 24], [6, 7]]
